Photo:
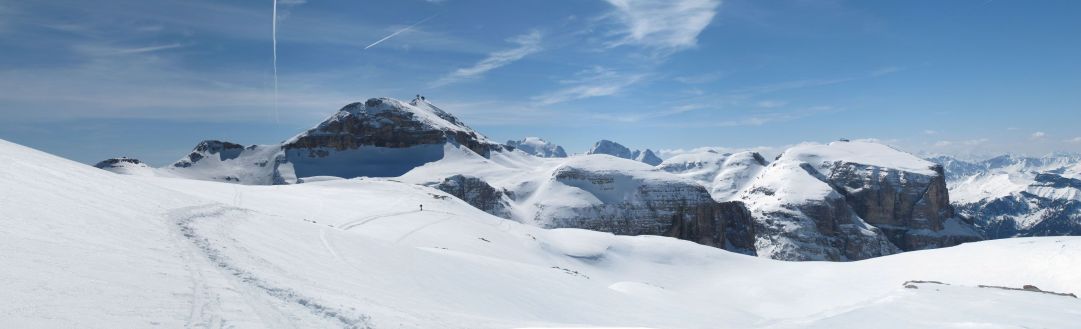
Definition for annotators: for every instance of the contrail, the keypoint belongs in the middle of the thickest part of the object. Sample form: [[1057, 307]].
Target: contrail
[[400, 31], [274, 41]]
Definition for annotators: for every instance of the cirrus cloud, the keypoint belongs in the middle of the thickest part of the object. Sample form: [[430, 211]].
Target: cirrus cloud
[[666, 25]]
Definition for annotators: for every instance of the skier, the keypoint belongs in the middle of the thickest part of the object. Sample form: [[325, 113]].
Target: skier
[[422, 207]]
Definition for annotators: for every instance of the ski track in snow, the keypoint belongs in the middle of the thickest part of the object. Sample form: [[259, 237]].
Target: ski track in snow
[[358, 222], [257, 288], [205, 305], [326, 244], [421, 228]]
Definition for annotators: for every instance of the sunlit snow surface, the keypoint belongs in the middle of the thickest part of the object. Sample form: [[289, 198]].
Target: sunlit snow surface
[[86, 248]]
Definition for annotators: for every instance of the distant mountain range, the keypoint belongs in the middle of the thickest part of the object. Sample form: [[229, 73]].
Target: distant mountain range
[[846, 200], [1010, 196]]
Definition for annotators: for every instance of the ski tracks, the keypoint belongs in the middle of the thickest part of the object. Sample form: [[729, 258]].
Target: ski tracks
[[202, 255], [358, 222], [205, 304]]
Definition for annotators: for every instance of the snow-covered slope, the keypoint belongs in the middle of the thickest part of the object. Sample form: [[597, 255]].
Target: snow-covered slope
[[726, 174], [608, 147], [851, 200], [1018, 196], [538, 147], [86, 248]]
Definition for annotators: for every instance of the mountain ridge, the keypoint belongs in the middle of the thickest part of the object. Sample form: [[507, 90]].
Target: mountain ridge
[[726, 201]]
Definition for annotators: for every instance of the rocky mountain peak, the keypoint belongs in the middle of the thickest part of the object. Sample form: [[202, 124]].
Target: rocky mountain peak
[[649, 158], [608, 147], [388, 123], [120, 163], [223, 150]]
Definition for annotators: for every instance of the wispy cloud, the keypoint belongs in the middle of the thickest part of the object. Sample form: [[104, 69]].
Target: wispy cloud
[[1038, 135], [527, 44], [594, 82], [759, 119], [638, 117], [665, 25], [1075, 140]]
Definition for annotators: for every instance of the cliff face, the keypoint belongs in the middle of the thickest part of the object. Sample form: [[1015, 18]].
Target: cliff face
[[853, 200], [912, 209], [670, 208], [798, 216], [478, 193], [618, 196], [725, 225]]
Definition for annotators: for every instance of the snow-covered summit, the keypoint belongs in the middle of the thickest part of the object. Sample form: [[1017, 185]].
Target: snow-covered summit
[[538, 147], [859, 152], [648, 157], [391, 123]]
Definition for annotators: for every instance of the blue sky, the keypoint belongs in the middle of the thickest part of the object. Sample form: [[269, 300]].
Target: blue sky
[[95, 79]]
